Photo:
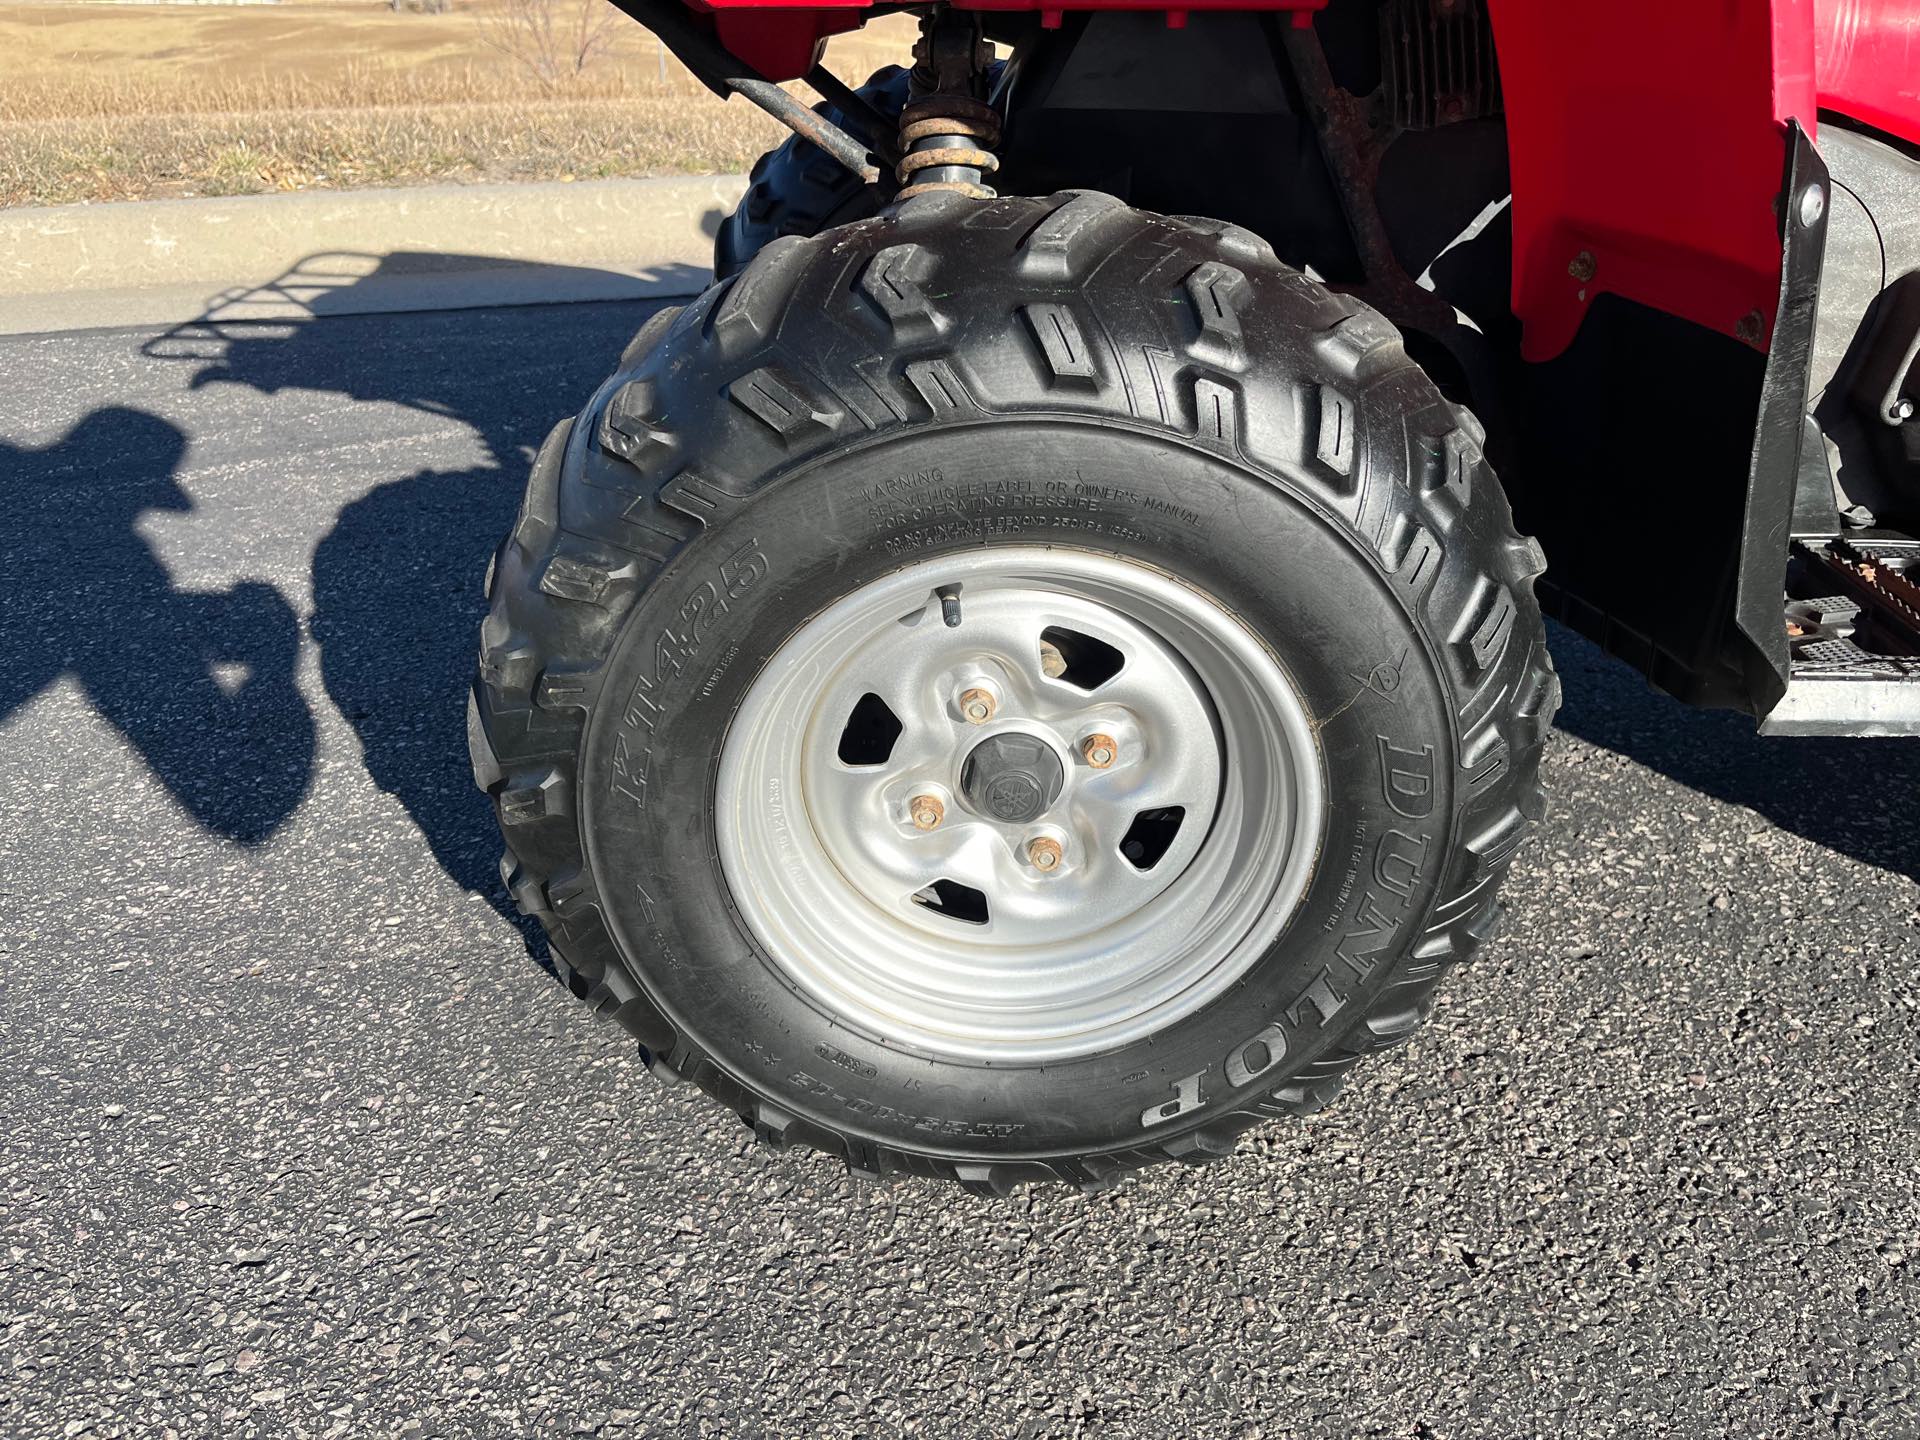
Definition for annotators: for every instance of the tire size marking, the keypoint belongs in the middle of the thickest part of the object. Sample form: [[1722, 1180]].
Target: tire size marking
[[982, 530], [674, 648], [1347, 880], [872, 1110], [837, 1056], [1400, 863], [927, 498]]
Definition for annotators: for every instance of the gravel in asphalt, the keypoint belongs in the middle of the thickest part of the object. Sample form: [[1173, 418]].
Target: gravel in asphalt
[[300, 1139]]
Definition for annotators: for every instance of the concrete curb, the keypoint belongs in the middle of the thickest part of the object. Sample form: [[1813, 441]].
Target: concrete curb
[[279, 257]]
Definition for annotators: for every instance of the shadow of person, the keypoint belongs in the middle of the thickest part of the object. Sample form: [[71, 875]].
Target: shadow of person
[[1854, 796], [397, 580], [201, 683]]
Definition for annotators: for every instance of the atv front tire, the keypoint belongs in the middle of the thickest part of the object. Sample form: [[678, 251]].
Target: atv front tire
[[1074, 525]]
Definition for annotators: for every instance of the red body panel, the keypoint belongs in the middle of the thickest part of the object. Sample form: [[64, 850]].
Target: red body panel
[[1647, 138], [1867, 62], [1642, 171], [782, 43]]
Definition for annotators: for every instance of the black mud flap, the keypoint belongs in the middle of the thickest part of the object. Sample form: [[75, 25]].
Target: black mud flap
[[1660, 464], [1781, 433]]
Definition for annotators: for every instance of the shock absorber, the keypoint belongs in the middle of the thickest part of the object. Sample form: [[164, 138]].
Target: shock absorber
[[948, 130]]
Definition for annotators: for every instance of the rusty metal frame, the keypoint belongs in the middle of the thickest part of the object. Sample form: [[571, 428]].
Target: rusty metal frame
[[723, 72]]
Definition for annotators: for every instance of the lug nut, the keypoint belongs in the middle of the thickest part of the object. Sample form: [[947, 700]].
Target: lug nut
[[1043, 853], [1100, 751], [977, 705], [927, 812]]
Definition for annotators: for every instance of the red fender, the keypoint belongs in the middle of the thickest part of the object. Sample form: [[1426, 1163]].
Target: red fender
[[1647, 142], [1648, 145]]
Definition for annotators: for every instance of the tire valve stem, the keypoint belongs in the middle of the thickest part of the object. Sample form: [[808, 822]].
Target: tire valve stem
[[950, 605]]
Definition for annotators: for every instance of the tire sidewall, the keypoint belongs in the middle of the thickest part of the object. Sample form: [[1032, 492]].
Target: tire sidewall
[[1292, 572]]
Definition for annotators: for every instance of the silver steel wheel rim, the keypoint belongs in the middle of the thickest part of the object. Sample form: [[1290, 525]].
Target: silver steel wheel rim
[[832, 875]]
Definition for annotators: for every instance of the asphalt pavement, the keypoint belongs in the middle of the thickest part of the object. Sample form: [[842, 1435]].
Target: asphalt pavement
[[298, 1138]]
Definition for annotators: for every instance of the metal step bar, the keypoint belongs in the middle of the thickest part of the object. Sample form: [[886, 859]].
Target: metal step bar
[[1853, 637]]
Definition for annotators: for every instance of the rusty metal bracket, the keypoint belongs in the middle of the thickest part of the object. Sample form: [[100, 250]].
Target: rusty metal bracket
[[1353, 143], [1352, 147], [723, 72]]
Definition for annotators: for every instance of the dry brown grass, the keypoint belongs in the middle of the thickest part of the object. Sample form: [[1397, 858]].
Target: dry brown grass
[[82, 94], [112, 103], [53, 162]]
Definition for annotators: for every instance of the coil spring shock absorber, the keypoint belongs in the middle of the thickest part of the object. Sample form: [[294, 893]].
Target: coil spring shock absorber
[[947, 130]]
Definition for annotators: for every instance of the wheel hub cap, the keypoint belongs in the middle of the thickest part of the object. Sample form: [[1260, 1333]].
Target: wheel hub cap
[[1012, 777]]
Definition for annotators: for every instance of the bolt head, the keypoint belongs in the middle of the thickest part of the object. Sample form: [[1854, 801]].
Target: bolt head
[[1044, 853], [977, 705], [1100, 751], [1813, 204], [927, 812], [1582, 267]]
